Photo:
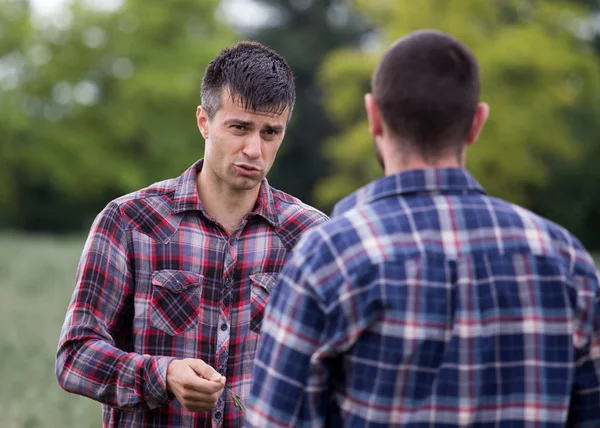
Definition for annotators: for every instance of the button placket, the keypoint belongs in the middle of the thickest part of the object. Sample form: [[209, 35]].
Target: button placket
[[219, 410], [224, 325], [223, 338], [217, 419]]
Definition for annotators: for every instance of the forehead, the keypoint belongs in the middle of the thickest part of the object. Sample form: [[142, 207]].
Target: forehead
[[233, 108]]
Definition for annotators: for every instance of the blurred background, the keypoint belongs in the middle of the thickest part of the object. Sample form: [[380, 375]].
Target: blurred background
[[98, 98]]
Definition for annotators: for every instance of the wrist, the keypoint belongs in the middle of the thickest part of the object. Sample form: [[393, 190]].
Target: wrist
[[155, 381], [169, 374]]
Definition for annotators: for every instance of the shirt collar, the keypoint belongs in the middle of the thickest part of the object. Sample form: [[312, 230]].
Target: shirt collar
[[186, 196], [431, 180]]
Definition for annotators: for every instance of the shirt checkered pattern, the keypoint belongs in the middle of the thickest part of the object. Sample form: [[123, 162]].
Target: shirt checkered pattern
[[159, 279], [426, 303]]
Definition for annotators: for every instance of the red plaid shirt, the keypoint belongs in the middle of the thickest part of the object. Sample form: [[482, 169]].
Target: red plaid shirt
[[159, 279]]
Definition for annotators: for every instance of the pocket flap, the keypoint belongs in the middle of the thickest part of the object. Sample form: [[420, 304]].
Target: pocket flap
[[264, 280], [176, 280]]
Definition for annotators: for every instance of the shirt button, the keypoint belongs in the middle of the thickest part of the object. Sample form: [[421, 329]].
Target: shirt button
[[177, 287], [223, 326], [217, 415], [221, 371]]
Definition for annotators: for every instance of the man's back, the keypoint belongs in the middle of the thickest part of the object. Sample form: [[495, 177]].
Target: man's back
[[424, 302], [447, 308]]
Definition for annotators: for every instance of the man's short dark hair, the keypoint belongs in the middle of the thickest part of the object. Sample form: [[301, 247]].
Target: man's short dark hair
[[254, 75], [427, 88]]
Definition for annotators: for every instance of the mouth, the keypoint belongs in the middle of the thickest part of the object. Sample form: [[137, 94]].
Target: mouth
[[245, 169]]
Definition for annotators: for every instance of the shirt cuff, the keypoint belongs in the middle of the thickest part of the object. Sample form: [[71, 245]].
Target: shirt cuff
[[156, 382]]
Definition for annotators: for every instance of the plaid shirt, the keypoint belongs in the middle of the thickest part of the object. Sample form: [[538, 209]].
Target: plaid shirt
[[426, 303], [159, 279]]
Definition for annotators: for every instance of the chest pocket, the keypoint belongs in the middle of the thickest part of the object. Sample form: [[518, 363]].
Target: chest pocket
[[262, 284], [175, 306]]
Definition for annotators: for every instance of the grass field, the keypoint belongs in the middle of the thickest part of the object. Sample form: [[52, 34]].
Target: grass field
[[36, 282]]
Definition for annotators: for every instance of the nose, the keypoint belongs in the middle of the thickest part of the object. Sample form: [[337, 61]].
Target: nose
[[253, 146]]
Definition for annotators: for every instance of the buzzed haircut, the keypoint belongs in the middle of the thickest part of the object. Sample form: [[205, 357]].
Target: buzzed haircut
[[427, 87], [256, 76]]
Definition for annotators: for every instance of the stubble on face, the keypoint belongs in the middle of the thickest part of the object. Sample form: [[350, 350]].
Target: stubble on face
[[378, 155], [242, 147]]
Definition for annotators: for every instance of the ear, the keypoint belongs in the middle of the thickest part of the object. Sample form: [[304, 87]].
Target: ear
[[203, 121], [482, 112], [374, 116]]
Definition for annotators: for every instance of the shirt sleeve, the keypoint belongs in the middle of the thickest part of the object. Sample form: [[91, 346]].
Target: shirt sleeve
[[290, 386], [585, 398], [90, 360]]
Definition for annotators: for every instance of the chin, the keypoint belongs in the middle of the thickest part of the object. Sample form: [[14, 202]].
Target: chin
[[246, 184]]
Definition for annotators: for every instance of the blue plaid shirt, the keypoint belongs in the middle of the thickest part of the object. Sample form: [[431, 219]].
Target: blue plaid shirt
[[426, 303]]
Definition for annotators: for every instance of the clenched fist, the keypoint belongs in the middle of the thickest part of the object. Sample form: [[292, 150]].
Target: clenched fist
[[196, 385]]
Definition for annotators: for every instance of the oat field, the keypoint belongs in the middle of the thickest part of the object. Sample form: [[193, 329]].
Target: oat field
[[36, 282]]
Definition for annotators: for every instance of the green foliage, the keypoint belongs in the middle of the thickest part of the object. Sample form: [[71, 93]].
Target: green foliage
[[571, 197], [101, 107], [307, 31], [533, 73]]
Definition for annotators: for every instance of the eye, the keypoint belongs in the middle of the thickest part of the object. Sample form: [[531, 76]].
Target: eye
[[271, 132], [238, 127]]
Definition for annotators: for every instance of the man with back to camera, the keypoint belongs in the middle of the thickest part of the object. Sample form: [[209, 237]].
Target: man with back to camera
[[423, 301], [174, 278]]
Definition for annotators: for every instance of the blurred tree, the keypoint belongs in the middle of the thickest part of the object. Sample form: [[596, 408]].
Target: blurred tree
[[571, 197], [534, 72], [98, 103], [305, 31]]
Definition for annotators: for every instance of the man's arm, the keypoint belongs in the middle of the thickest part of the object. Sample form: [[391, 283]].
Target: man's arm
[[585, 399], [88, 361], [290, 383]]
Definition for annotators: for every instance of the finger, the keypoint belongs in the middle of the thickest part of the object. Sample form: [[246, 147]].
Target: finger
[[199, 406], [195, 399], [200, 400], [206, 387], [204, 370], [193, 386]]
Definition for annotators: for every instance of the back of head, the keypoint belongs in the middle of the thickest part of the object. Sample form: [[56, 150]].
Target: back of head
[[427, 89], [254, 75]]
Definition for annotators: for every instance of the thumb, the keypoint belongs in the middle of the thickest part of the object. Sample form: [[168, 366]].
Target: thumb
[[204, 370]]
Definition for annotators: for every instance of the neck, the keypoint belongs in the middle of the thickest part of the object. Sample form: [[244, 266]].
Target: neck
[[226, 206], [400, 160]]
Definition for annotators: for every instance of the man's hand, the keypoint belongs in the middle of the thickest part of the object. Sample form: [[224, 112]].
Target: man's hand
[[196, 385]]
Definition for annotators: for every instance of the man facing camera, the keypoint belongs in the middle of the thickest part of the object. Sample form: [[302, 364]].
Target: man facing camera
[[173, 280]]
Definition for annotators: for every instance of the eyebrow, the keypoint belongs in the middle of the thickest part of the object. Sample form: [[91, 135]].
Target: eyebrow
[[276, 128], [238, 122]]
